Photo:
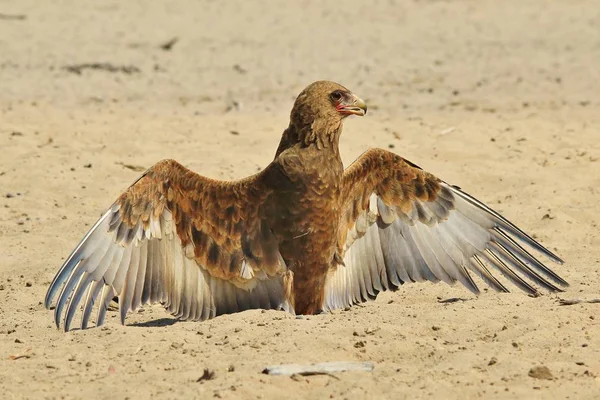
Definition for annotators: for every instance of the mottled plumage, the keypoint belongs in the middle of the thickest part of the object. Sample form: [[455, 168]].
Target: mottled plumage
[[303, 235]]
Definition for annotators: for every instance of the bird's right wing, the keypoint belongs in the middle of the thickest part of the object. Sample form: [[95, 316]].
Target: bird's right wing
[[199, 246], [401, 224]]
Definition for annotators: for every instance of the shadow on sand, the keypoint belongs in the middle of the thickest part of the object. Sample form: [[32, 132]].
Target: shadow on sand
[[155, 323]]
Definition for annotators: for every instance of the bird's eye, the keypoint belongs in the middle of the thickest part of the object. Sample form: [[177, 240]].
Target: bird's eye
[[336, 96]]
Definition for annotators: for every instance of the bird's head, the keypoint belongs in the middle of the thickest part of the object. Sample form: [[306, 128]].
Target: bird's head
[[318, 113], [325, 100]]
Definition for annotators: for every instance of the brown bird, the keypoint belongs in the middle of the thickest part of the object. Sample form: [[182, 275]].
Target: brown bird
[[303, 235]]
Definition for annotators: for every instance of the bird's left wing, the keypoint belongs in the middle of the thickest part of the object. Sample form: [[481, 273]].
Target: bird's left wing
[[401, 224]]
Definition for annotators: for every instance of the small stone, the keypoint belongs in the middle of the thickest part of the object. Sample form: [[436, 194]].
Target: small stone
[[238, 68], [18, 341], [435, 328], [28, 284], [541, 372], [493, 361]]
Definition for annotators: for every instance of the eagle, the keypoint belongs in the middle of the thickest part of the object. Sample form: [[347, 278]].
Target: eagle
[[303, 235]]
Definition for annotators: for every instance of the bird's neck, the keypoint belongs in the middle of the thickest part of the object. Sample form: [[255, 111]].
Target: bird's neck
[[322, 135]]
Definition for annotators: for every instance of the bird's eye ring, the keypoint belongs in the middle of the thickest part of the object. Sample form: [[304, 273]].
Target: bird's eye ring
[[336, 96]]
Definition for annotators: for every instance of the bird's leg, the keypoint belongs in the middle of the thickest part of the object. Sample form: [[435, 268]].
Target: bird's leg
[[288, 287], [309, 289]]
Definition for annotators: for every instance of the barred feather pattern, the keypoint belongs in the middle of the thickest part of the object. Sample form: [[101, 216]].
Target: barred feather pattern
[[445, 237], [149, 265]]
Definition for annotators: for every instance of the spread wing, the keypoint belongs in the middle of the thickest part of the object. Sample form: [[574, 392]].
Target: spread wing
[[196, 245], [403, 225]]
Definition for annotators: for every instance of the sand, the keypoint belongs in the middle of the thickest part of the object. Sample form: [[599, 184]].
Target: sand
[[500, 98]]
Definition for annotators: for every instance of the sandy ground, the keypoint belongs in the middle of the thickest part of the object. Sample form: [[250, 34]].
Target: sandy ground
[[501, 98]]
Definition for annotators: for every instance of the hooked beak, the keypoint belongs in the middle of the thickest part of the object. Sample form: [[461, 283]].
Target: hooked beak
[[356, 106]]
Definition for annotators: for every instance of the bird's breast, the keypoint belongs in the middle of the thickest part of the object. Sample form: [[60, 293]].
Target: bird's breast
[[308, 216]]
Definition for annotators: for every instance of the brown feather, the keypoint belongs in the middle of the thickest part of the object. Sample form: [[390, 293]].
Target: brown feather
[[207, 215]]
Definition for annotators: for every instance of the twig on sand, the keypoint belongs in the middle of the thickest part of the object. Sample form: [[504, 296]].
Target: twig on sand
[[570, 302], [451, 300], [78, 68], [25, 354], [13, 17], [326, 368], [135, 168]]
